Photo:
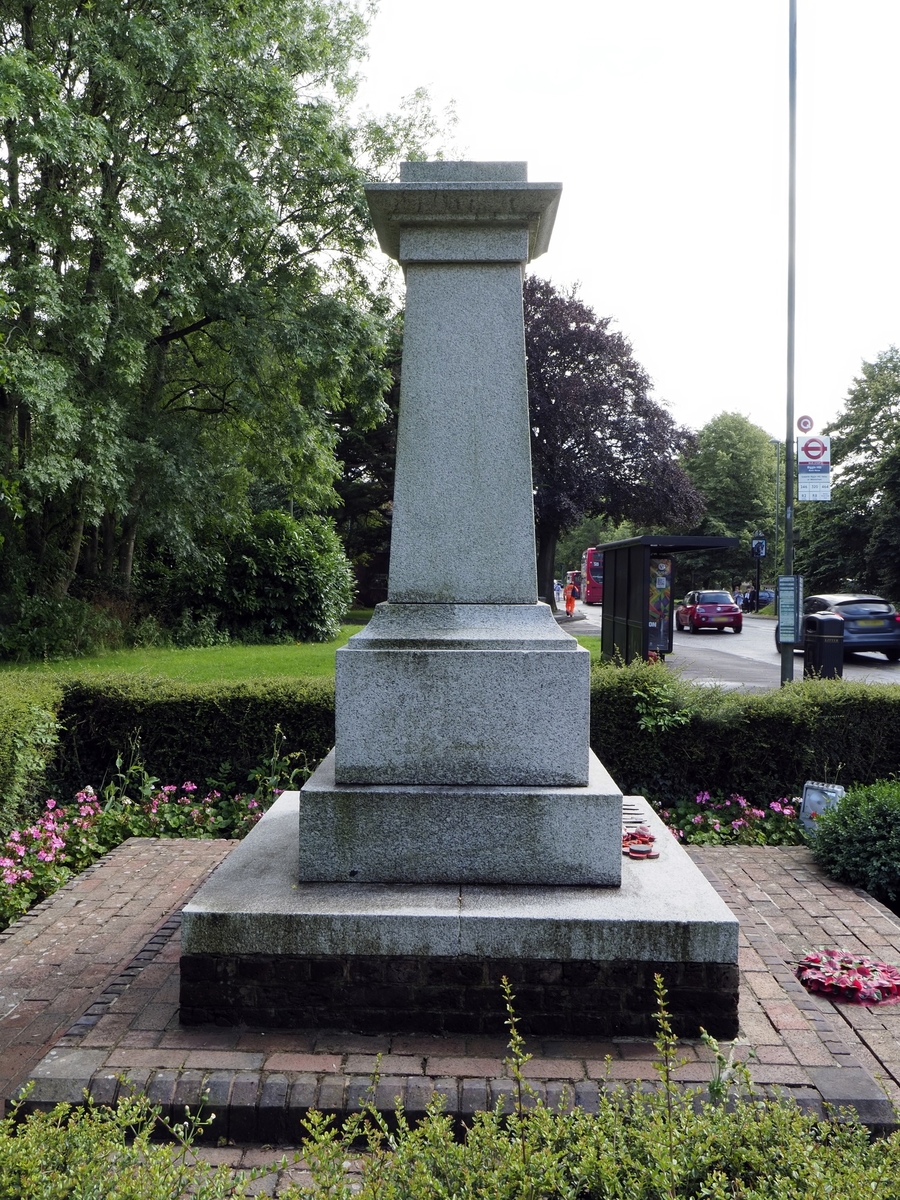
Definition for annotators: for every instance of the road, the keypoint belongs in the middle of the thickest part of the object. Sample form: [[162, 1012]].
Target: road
[[745, 660]]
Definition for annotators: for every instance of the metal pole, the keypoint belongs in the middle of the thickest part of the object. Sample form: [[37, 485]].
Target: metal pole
[[776, 442], [787, 651]]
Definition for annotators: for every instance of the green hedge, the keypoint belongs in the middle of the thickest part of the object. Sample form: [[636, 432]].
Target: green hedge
[[28, 740], [656, 734], [764, 745], [186, 731]]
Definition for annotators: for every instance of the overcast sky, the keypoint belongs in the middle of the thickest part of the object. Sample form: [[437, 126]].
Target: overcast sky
[[667, 123]]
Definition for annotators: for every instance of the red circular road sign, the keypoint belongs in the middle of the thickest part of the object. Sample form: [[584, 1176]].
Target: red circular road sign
[[805, 424], [814, 448]]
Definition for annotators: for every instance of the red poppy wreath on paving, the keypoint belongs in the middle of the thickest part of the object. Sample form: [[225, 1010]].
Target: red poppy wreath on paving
[[840, 975]]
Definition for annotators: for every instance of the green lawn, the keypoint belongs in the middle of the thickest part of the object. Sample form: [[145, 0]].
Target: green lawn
[[235, 662], [195, 665]]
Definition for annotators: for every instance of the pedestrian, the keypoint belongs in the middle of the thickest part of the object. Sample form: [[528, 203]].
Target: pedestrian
[[569, 593], [557, 590], [751, 600], [739, 598]]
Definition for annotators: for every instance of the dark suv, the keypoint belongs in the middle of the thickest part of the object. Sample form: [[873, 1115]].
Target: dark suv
[[870, 623]]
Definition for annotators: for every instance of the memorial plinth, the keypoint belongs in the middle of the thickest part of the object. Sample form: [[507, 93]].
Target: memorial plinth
[[461, 829]]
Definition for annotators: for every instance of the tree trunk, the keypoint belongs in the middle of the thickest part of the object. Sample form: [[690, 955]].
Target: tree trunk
[[64, 582], [108, 528], [547, 535], [126, 549]]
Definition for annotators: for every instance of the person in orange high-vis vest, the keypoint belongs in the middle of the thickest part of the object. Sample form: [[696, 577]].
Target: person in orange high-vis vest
[[569, 593]]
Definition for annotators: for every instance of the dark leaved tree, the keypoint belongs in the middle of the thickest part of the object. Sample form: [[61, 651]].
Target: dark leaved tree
[[599, 444]]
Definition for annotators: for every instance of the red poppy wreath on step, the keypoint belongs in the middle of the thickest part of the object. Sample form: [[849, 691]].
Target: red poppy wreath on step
[[841, 975]]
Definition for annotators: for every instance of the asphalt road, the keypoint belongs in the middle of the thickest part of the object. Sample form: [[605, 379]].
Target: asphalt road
[[747, 660]]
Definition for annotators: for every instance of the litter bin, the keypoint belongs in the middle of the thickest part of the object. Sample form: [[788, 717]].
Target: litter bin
[[823, 647]]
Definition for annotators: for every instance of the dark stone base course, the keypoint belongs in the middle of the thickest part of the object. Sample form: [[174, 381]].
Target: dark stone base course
[[372, 994]]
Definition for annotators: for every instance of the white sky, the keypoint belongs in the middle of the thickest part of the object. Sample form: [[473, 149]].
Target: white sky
[[667, 124]]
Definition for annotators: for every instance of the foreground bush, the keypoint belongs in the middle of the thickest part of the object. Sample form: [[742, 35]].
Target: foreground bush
[[857, 840], [98, 1153], [643, 1145]]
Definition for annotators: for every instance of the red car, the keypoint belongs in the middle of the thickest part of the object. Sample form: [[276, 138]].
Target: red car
[[708, 610]]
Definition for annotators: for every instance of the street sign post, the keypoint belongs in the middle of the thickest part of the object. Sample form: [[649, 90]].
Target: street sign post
[[814, 468]]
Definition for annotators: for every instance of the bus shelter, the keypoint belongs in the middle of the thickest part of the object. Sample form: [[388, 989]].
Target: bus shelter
[[638, 579]]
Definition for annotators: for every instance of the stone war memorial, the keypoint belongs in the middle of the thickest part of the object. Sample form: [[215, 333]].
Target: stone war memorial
[[461, 830]]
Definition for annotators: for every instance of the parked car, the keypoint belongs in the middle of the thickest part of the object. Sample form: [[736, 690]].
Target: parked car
[[765, 597], [708, 610], [870, 623]]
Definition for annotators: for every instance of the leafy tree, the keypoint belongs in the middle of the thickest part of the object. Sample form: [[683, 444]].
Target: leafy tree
[[599, 444], [853, 542], [733, 468], [183, 228], [366, 488]]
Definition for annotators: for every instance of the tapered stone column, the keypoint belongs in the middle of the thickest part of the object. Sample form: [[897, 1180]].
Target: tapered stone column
[[451, 761]]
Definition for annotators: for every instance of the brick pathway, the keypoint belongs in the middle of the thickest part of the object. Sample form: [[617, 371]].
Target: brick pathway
[[57, 959], [89, 993]]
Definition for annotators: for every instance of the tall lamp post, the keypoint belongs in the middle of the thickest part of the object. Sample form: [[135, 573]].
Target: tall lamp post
[[787, 648], [776, 442]]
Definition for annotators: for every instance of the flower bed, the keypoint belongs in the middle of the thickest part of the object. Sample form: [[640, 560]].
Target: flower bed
[[38, 859], [734, 821]]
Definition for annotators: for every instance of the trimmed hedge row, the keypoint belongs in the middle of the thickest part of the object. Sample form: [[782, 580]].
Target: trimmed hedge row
[[186, 731], [29, 705], [664, 738], [656, 734]]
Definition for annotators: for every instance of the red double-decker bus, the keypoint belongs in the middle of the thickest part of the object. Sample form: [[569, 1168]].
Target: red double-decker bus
[[592, 575]]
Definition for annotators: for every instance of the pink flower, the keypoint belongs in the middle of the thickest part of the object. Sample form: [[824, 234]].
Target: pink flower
[[189, 787], [716, 826], [10, 877], [758, 812], [788, 811], [775, 806], [702, 798], [698, 820], [738, 823], [51, 804]]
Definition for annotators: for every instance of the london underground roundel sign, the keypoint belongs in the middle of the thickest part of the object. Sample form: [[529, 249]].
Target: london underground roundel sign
[[805, 424], [814, 448]]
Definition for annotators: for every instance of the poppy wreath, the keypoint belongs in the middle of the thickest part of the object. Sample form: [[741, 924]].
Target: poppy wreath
[[844, 976], [638, 843]]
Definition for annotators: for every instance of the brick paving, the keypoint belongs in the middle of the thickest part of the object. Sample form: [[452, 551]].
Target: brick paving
[[89, 999]]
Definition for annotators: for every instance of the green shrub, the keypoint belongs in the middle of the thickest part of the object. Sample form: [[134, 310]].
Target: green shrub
[[657, 1144], [28, 740], [186, 731], [667, 739], [279, 578], [97, 1153], [51, 629], [857, 840]]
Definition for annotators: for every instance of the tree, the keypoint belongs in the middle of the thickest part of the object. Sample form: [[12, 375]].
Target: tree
[[733, 468], [853, 542], [600, 446], [183, 228]]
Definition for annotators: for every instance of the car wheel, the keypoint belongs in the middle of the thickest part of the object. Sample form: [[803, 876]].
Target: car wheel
[[738, 628], [680, 628], [892, 655], [695, 628]]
